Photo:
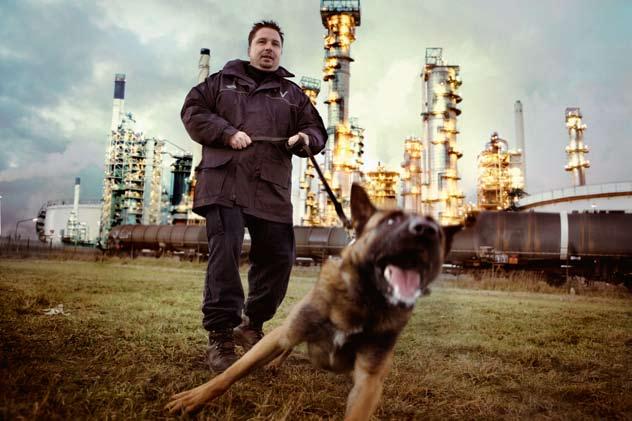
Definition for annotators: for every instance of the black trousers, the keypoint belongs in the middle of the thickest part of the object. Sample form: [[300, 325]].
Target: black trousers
[[272, 254]]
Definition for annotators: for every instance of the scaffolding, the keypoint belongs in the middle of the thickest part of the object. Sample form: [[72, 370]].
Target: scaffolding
[[381, 187], [411, 178], [341, 163], [576, 149], [155, 211], [441, 196], [500, 178], [124, 181]]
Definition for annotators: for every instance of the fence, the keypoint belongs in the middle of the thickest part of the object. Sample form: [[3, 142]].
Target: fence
[[24, 248]]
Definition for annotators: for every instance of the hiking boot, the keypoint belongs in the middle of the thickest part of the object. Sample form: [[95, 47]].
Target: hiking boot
[[247, 335], [221, 350]]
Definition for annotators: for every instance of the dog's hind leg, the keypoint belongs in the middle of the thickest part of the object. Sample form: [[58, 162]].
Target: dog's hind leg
[[268, 348]]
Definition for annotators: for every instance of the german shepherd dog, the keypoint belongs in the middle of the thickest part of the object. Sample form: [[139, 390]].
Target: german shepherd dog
[[356, 310]]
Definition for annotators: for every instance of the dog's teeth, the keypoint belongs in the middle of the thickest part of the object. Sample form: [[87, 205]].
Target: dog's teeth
[[387, 273]]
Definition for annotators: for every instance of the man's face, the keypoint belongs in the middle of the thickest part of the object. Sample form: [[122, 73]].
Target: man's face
[[265, 50]]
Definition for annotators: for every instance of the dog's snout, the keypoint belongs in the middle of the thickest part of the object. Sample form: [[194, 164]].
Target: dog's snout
[[418, 227]]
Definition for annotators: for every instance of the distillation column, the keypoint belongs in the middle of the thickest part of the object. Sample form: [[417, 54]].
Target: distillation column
[[576, 148], [110, 181], [412, 175], [155, 197], [441, 195], [124, 178], [340, 17], [309, 187]]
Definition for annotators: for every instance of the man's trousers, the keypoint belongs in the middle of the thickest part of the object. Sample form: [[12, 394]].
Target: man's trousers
[[272, 254]]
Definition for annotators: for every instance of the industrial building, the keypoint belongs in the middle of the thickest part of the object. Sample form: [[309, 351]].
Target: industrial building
[[69, 221], [441, 195], [309, 186], [411, 177], [381, 187], [134, 191], [500, 181], [343, 150]]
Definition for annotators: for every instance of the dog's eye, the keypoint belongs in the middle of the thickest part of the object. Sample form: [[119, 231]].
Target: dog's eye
[[393, 219]]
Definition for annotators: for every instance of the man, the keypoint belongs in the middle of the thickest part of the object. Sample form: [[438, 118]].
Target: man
[[244, 180]]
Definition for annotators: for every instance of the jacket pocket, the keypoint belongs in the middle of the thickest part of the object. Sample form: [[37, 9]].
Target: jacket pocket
[[276, 172], [210, 177], [213, 161]]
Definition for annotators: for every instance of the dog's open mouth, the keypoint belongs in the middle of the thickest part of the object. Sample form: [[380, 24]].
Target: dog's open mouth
[[405, 280]]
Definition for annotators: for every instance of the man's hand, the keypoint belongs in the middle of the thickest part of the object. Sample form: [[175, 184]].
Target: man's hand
[[300, 135], [239, 140]]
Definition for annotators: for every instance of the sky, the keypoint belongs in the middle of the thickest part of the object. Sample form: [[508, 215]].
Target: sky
[[58, 59]]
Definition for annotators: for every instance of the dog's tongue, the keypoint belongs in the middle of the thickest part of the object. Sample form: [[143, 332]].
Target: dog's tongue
[[406, 281]]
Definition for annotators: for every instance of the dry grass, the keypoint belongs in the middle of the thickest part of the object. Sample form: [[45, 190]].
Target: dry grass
[[132, 337], [533, 281]]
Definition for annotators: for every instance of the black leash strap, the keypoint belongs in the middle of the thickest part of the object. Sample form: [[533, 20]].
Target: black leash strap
[[301, 143]]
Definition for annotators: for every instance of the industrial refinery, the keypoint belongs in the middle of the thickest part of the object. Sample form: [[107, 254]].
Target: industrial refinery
[[138, 190]]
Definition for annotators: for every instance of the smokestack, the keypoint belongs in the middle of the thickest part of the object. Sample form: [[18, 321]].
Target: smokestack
[[520, 141], [203, 66], [75, 207], [205, 58], [119, 100]]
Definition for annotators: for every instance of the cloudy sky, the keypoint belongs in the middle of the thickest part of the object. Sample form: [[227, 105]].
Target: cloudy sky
[[58, 59]]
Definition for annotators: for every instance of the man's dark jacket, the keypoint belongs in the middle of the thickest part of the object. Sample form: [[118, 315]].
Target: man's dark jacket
[[257, 178]]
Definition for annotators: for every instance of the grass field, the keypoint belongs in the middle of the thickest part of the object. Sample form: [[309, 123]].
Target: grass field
[[132, 337]]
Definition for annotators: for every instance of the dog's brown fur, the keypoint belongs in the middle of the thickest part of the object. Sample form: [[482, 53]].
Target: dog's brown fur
[[352, 317]]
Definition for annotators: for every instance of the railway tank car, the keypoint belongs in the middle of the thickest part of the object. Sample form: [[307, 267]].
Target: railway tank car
[[316, 243], [597, 246]]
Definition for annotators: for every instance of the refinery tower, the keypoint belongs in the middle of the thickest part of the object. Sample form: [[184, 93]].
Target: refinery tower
[[344, 147], [441, 196], [576, 149]]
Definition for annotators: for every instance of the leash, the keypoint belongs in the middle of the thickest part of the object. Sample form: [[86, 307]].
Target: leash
[[301, 143]]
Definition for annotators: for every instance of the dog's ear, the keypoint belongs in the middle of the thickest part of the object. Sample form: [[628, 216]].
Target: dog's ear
[[450, 230], [361, 208]]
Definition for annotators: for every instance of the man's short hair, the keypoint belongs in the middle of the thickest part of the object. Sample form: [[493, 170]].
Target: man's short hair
[[264, 24]]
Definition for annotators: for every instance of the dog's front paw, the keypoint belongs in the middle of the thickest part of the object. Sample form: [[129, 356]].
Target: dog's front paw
[[192, 400]]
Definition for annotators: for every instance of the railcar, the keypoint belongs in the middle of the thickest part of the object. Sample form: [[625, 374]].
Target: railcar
[[597, 246]]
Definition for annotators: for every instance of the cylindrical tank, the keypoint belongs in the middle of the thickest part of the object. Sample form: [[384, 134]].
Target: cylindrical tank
[[600, 234]]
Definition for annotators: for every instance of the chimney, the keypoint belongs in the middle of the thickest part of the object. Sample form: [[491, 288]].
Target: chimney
[[205, 58], [203, 66], [75, 207], [520, 141], [119, 100]]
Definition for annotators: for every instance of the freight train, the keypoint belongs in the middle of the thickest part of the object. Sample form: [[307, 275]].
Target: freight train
[[597, 246]]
